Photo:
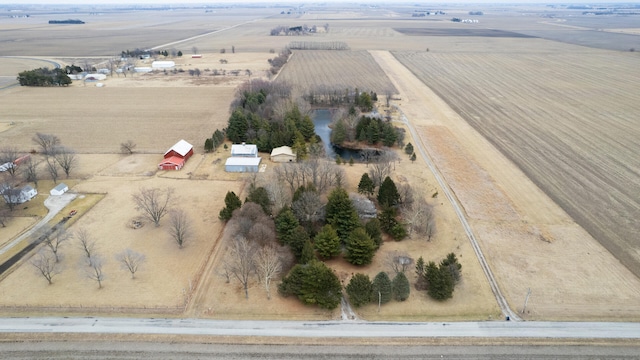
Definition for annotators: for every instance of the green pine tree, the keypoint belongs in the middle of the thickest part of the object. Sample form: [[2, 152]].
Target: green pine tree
[[401, 287], [313, 283], [388, 193], [366, 185], [381, 288], [232, 202], [359, 290], [327, 242], [286, 222], [341, 213], [360, 247]]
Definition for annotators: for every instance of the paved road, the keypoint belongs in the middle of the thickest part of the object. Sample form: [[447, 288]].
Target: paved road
[[161, 351], [325, 329]]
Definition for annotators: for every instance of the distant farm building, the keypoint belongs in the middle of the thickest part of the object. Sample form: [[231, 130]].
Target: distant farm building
[[244, 158], [142, 69], [163, 64], [59, 189], [283, 154], [19, 196], [176, 156], [196, 56]]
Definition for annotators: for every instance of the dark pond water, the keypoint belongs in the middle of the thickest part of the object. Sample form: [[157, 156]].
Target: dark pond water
[[322, 119]]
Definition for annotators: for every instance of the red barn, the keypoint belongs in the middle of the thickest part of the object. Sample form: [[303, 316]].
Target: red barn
[[175, 157]]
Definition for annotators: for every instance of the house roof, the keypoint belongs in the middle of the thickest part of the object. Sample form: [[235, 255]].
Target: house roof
[[27, 188], [181, 147], [282, 150], [60, 187], [243, 161], [244, 149], [173, 160]]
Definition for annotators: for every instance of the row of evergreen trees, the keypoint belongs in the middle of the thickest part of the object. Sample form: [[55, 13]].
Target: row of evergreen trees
[[381, 290], [372, 130], [44, 77]]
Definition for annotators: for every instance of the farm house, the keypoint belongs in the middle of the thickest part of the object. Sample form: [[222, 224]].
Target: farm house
[[59, 189], [242, 164], [283, 154], [19, 196], [163, 64], [176, 156]]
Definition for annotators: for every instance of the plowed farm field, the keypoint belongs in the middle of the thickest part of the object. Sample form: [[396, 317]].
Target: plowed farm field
[[568, 120], [322, 70]]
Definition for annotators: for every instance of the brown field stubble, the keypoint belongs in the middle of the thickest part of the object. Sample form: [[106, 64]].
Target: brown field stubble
[[569, 123]]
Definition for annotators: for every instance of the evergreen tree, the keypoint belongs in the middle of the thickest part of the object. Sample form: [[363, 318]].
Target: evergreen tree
[[381, 288], [351, 161], [232, 202], [398, 231], [360, 247], [299, 238], [341, 213], [451, 263], [286, 222], [372, 227], [260, 196], [339, 133], [365, 102], [313, 283], [440, 282], [359, 290], [408, 149], [401, 287], [421, 268], [208, 145], [179, 53], [307, 128], [366, 185], [307, 253], [327, 242], [237, 129], [339, 160], [413, 157], [387, 218], [388, 193]]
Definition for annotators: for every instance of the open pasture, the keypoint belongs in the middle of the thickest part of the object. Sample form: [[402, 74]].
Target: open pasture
[[567, 120], [320, 71]]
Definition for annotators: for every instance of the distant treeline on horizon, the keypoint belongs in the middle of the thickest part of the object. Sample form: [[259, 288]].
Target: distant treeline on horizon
[[70, 21]]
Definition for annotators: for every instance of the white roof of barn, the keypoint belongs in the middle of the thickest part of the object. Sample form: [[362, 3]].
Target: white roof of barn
[[243, 161], [282, 150], [181, 147], [244, 149]]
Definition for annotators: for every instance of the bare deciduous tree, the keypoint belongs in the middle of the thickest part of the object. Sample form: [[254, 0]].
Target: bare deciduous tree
[[54, 240], [240, 263], [95, 272], [46, 264], [268, 266], [380, 169], [308, 208], [153, 203], [52, 168], [131, 261], [30, 170], [66, 158], [127, 147], [179, 226], [399, 261], [278, 193], [419, 218], [8, 155], [47, 142], [4, 215], [86, 243]]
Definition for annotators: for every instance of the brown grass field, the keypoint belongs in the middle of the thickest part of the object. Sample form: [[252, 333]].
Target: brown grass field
[[535, 137]]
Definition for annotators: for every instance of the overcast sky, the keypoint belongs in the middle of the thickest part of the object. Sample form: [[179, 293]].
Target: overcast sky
[[159, 2]]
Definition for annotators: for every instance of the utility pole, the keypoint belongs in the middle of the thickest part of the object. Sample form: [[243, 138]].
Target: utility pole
[[379, 300], [526, 299]]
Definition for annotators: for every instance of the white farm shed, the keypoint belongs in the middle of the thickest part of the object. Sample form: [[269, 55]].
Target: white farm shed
[[242, 164], [163, 64], [59, 189], [283, 154], [244, 150]]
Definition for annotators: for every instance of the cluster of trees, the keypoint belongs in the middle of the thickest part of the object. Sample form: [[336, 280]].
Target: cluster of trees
[[296, 30], [278, 62], [439, 280], [318, 45], [373, 131], [48, 262], [263, 115], [408, 149], [212, 143], [364, 101], [381, 290], [44, 77]]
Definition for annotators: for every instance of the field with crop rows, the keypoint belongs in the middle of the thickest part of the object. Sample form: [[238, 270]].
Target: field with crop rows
[[568, 120], [321, 70]]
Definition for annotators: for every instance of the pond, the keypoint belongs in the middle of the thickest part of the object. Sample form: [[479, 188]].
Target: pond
[[322, 120]]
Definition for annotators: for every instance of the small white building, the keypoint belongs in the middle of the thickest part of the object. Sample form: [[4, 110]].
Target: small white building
[[244, 150], [283, 154], [59, 189], [163, 64], [242, 164]]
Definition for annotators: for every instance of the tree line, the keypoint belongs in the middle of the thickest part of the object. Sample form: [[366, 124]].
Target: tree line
[[44, 77]]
